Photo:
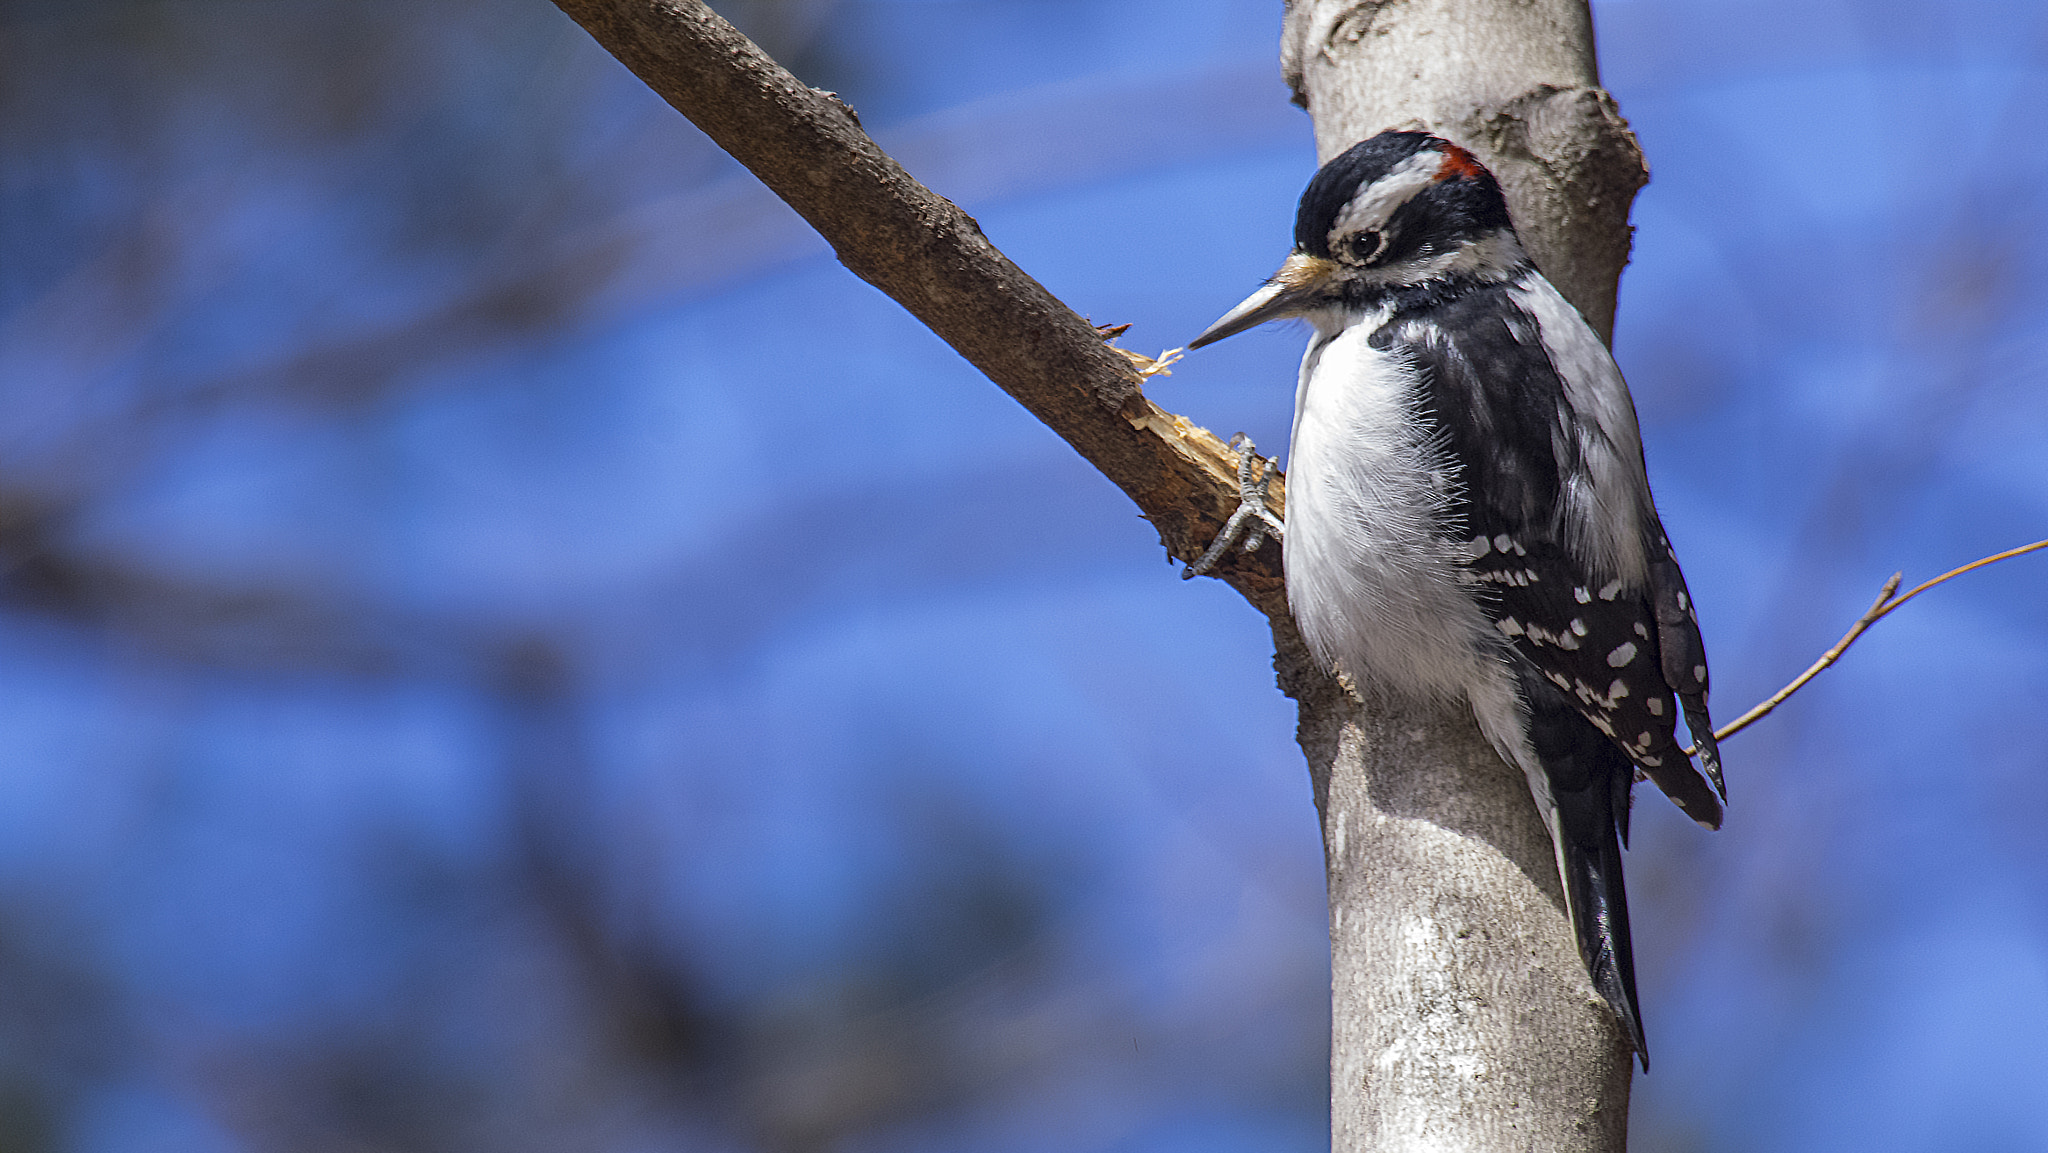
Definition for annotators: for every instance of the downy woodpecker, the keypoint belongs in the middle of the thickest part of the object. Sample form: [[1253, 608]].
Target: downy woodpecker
[[1468, 517]]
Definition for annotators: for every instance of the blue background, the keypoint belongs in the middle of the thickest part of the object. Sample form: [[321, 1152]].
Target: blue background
[[505, 645]]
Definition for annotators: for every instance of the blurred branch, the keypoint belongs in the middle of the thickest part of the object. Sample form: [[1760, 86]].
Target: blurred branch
[[932, 258], [1879, 609]]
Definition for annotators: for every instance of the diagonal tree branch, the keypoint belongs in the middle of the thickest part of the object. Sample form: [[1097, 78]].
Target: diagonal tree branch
[[920, 249]]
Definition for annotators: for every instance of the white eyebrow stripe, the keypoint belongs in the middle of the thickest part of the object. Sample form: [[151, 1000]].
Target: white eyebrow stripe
[[1383, 197]]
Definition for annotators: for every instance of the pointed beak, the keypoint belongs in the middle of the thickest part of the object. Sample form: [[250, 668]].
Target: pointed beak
[[1295, 289]]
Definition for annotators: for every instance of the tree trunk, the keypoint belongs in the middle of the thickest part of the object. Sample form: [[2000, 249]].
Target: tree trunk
[[1462, 1017]]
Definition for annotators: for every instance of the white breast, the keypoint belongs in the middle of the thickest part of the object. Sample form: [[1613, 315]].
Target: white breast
[[1373, 580]]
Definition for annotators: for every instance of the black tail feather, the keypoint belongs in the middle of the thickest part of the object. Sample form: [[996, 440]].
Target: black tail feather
[[1592, 861], [1590, 779]]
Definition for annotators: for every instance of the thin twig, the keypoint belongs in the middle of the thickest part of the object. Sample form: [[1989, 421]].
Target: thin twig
[[1879, 609]]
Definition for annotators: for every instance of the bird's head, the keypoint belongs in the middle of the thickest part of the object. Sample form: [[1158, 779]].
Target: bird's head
[[1399, 210]]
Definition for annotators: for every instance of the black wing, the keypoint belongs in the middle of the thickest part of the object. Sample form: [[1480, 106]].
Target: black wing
[[1503, 421]]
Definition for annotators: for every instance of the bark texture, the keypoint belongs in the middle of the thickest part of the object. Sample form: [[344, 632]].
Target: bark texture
[[1462, 1017]]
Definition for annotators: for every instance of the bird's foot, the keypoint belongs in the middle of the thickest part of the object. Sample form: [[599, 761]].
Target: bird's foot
[[1252, 521]]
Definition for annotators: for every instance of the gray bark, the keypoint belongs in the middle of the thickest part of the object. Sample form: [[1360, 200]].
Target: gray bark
[[1462, 1017]]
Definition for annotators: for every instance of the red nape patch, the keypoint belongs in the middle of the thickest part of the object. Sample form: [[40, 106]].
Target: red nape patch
[[1458, 165]]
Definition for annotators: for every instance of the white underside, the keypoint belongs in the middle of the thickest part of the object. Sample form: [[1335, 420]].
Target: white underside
[[1375, 587]]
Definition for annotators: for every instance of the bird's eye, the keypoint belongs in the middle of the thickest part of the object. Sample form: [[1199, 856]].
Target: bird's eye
[[1366, 246]]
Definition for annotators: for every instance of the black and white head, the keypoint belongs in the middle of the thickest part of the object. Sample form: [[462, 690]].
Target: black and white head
[[1398, 211]]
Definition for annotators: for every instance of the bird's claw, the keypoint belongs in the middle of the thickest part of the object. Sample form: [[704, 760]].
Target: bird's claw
[[1253, 520]]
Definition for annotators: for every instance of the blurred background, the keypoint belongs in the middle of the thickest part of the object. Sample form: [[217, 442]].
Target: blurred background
[[505, 645]]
